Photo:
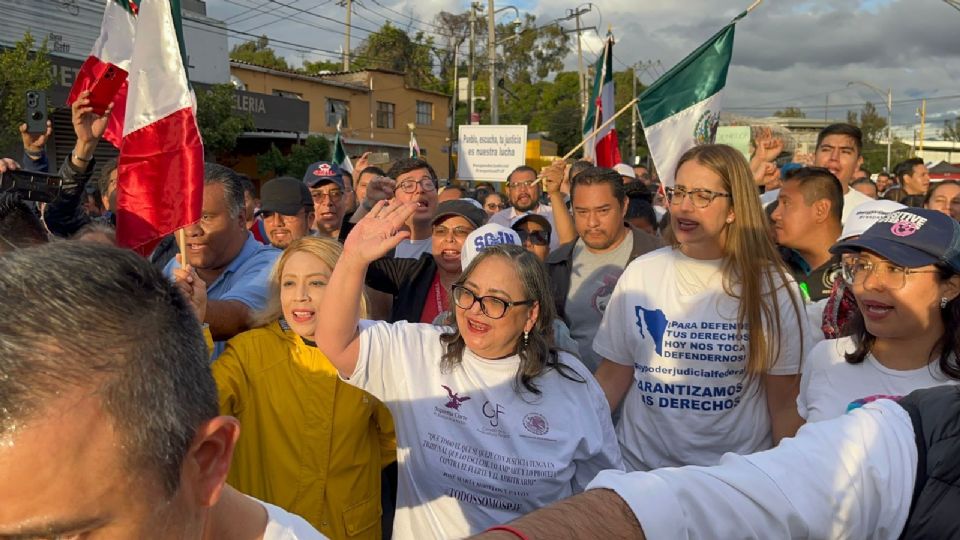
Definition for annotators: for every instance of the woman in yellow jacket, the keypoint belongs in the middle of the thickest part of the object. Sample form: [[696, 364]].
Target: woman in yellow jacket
[[309, 442]]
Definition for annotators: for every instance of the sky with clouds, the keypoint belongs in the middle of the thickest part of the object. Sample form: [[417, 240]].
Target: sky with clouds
[[787, 52]]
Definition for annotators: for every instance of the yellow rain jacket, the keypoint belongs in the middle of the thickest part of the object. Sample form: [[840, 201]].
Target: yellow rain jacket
[[309, 443]]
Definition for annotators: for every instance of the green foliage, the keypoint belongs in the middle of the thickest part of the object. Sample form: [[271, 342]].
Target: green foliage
[[870, 122], [528, 53], [21, 68], [219, 125], [393, 49], [315, 68], [314, 148], [874, 128], [791, 112], [258, 53]]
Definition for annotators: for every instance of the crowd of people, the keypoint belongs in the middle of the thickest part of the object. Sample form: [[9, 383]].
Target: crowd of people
[[751, 352]]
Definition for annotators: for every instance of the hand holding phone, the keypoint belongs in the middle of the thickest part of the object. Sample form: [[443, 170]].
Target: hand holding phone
[[36, 111]]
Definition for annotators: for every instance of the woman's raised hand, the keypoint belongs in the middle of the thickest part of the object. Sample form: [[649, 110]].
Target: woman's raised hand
[[380, 231]]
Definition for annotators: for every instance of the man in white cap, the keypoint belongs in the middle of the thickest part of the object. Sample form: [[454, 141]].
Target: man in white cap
[[626, 172]]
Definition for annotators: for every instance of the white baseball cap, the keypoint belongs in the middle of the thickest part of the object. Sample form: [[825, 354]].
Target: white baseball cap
[[866, 214], [491, 234], [625, 170]]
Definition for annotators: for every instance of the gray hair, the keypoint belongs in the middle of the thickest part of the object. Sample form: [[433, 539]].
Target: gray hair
[[117, 327], [232, 183], [540, 353]]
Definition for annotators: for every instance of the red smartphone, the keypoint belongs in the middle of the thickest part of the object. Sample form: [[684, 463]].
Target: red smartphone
[[105, 88]]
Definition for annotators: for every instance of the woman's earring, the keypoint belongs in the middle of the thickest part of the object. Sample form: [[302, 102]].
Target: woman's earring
[[526, 339], [943, 302]]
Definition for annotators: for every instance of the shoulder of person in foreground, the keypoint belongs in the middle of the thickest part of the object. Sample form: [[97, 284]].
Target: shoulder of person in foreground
[[846, 477]]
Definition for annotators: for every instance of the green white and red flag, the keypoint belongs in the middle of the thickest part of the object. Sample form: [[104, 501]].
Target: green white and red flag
[[160, 172], [602, 147]]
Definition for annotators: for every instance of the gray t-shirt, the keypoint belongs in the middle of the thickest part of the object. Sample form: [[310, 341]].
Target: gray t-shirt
[[412, 249], [592, 279]]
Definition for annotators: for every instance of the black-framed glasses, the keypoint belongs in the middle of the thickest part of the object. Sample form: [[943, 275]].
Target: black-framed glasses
[[410, 186], [855, 271], [537, 238], [701, 198], [491, 306], [495, 206]]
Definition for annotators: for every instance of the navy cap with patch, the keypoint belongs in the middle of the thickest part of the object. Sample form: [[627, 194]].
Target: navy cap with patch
[[911, 237], [322, 171]]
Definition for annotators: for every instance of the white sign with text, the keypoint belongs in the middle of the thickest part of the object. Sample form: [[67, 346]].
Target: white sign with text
[[489, 153]]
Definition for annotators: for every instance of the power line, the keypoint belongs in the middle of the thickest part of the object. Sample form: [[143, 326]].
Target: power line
[[435, 28]]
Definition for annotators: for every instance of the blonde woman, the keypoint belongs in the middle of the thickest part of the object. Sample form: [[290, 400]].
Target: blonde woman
[[309, 442], [702, 340]]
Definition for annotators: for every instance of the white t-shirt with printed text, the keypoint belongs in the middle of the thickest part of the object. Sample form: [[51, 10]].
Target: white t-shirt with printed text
[[472, 452], [691, 399], [832, 386]]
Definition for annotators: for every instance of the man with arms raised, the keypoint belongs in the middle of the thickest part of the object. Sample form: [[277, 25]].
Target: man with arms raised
[[523, 187], [110, 430]]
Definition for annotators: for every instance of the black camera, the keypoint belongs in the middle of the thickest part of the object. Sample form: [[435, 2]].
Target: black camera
[[31, 186]]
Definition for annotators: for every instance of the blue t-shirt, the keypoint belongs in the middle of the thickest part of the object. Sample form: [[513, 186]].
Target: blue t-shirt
[[246, 279]]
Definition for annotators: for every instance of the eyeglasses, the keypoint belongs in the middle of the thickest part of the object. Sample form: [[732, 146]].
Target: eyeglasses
[[495, 206], [537, 238], [701, 198], [893, 277], [524, 185], [410, 186], [334, 195], [459, 233], [491, 306]]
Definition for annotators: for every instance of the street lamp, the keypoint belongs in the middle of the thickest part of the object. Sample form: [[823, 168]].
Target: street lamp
[[492, 46], [889, 96]]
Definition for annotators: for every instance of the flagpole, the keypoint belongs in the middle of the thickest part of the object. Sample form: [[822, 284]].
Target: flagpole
[[182, 242], [602, 126], [754, 5]]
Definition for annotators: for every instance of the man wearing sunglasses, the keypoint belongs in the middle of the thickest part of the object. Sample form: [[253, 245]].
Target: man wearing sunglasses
[[286, 208], [585, 271]]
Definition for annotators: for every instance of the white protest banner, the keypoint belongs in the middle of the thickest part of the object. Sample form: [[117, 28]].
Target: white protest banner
[[735, 136], [489, 153]]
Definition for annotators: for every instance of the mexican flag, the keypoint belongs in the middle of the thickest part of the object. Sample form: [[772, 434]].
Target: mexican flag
[[682, 108], [113, 47], [602, 147], [414, 147], [160, 173], [340, 156]]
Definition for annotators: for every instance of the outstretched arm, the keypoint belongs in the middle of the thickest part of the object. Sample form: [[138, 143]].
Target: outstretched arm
[[373, 237]]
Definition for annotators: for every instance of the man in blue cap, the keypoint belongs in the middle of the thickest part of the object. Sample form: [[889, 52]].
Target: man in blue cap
[[325, 181]]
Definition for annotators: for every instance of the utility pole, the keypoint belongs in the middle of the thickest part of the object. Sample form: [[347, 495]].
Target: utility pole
[[346, 47], [453, 107], [470, 75], [633, 119], [582, 78], [492, 50], [923, 121]]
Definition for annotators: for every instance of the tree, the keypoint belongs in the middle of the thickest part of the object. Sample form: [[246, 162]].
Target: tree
[[791, 112], [219, 125], [530, 53], [258, 53], [21, 68], [314, 148], [393, 49], [951, 130], [870, 122], [316, 68]]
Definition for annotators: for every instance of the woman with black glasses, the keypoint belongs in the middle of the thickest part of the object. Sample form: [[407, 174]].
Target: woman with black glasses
[[492, 421], [905, 275]]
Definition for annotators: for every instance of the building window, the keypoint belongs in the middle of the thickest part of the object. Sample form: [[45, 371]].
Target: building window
[[385, 114], [287, 94], [424, 113], [338, 109]]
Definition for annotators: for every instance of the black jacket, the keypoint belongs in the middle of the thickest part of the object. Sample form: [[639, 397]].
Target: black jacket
[[560, 263], [408, 280], [935, 413]]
